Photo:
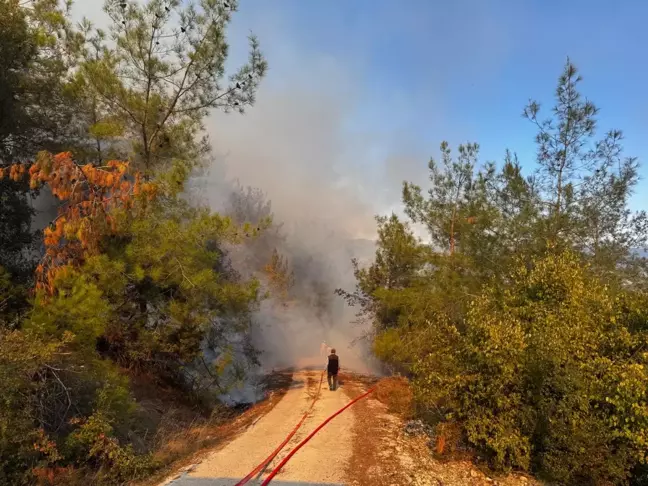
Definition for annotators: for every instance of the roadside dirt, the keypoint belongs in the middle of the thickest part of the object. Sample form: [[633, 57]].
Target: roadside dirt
[[204, 440], [383, 455]]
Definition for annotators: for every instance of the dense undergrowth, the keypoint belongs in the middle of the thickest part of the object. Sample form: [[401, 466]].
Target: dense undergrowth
[[106, 313]]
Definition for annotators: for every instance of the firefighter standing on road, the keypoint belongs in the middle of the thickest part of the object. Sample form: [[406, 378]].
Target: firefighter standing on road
[[332, 368]]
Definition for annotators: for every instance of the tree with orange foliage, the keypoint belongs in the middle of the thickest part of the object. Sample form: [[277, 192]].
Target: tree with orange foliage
[[129, 271], [90, 195], [133, 273], [151, 255]]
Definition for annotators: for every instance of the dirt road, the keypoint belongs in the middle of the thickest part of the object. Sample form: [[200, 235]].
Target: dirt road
[[322, 462], [365, 445]]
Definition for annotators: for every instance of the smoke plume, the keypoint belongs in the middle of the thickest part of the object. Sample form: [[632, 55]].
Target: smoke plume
[[292, 148]]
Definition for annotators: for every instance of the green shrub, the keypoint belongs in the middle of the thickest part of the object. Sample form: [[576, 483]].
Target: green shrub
[[548, 376]]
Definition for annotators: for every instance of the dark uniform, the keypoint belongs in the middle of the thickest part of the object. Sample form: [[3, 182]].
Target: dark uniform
[[332, 369]]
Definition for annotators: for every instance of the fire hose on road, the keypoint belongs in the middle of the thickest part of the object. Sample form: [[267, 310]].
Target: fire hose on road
[[274, 453], [276, 470]]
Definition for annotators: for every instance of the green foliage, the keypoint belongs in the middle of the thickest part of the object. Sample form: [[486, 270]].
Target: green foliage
[[522, 321], [52, 379], [279, 274], [159, 289], [585, 183], [453, 203], [77, 308], [16, 53], [538, 367], [38, 46], [93, 441], [264, 251], [21, 356], [151, 79], [167, 286], [13, 300], [399, 257], [16, 237], [547, 375]]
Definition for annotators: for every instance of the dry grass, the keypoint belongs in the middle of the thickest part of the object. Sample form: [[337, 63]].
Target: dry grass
[[376, 455], [175, 440], [179, 442], [396, 393]]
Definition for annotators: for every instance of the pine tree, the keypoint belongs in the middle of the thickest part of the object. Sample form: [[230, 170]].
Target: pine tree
[[155, 75], [522, 327], [447, 211], [17, 52], [251, 205], [279, 274], [399, 259], [585, 183], [36, 50]]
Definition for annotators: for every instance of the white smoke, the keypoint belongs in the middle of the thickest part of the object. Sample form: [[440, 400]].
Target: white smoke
[[293, 147]]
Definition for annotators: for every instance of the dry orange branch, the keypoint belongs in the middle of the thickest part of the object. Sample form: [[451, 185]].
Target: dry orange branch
[[90, 194]]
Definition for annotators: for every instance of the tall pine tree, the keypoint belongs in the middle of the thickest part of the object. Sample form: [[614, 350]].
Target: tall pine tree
[[154, 76]]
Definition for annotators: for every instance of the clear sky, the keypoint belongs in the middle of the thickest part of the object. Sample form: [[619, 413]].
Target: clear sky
[[401, 76], [463, 69]]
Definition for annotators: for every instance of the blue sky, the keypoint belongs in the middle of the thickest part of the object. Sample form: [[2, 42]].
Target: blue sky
[[463, 70], [377, 85]]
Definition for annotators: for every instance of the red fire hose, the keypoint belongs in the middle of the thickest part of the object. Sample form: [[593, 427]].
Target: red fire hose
[[274, 453], [303, 442]]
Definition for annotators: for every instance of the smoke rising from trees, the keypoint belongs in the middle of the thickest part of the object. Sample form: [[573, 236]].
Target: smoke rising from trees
[[281, 160]]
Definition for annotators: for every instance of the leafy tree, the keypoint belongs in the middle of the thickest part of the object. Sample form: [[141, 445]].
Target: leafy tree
[[37, 48], [16, 52], [130, 271], [398, 259], [261, 256], [155, 75], [585, 184], [155, 258], [13, 300], [522, 324], [447, 212], [21, 356], [56, 389], [16, 237], [279, 274], [517, 226], [545, 376], [248, 205], [462, 213]]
